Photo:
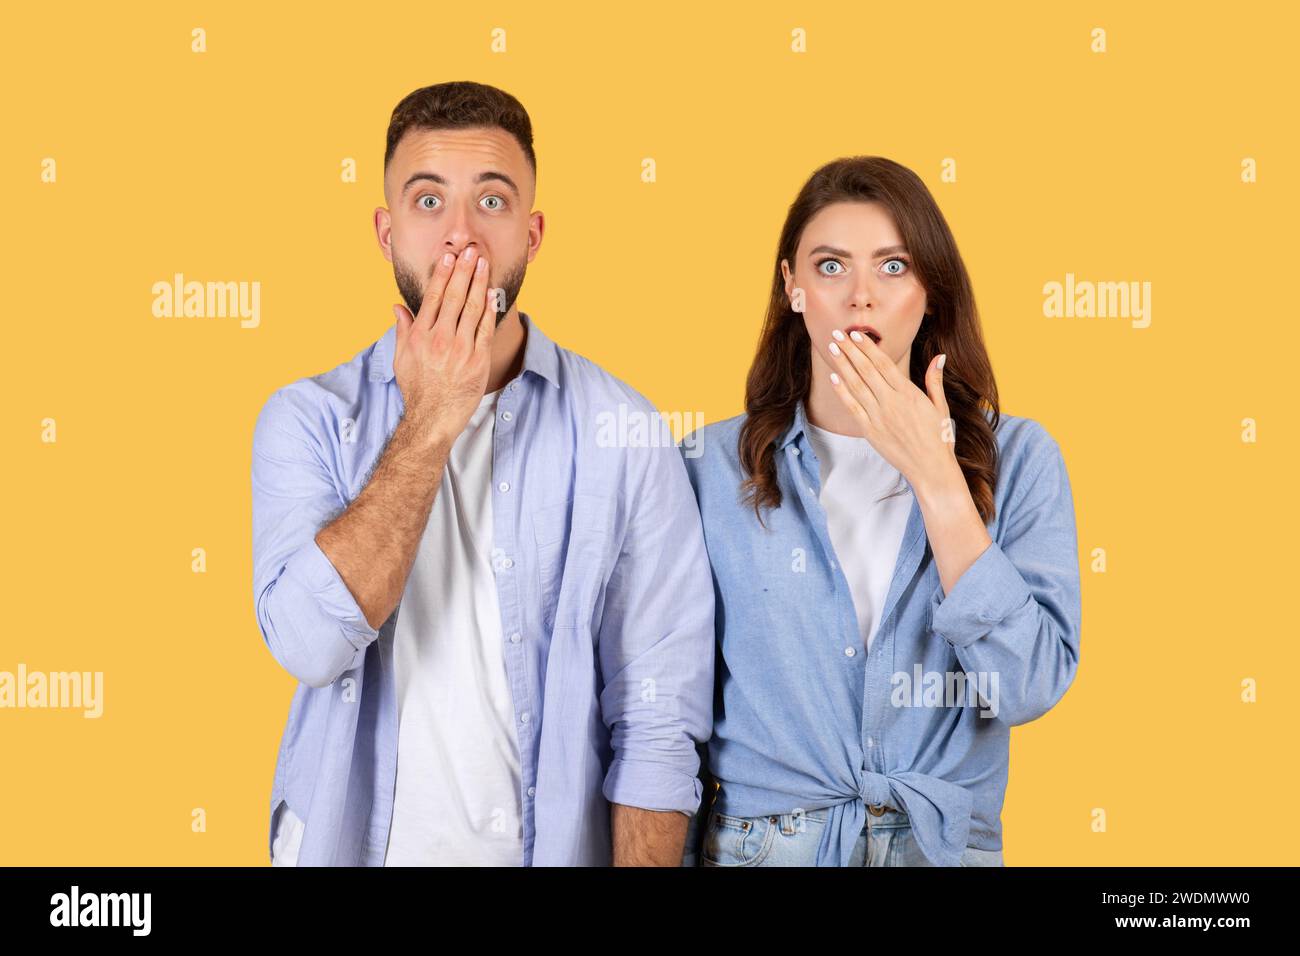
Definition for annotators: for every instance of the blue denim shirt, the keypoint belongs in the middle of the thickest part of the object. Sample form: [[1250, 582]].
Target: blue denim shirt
[[806, 719], [604, 589]]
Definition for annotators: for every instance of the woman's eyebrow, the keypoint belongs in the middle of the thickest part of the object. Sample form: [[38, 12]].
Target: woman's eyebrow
[[883, 251]]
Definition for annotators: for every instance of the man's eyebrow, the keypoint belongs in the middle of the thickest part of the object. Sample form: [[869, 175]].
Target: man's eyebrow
[[488, 176], [843, 254]]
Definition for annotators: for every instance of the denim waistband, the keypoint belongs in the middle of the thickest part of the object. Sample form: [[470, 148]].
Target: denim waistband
[[885, 817]]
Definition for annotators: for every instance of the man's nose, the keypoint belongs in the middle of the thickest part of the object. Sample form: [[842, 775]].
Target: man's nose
[[461, 233]]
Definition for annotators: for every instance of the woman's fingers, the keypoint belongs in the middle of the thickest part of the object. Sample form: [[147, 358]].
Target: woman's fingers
[[851, 401], [866, 371], [934, 386], [874, 354], [851, 380]]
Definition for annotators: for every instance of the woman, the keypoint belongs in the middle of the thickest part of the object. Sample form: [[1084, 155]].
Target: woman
[[895, 562]]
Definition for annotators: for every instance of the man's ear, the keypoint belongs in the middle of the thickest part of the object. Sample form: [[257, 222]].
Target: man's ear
[[384, 232], [536, 226]]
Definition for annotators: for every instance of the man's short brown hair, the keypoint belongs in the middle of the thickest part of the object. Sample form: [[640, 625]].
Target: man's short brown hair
[[461, 104]]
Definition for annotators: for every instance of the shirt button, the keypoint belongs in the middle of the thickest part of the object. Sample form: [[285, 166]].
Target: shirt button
[[849, 651], [870, 743], [515, 638], [532, 791], [523, 718], [506, 416], [504, 486], [513, 387], [793, 450], [507, 563]]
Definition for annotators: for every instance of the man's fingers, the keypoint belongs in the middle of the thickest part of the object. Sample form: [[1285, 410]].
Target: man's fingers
[[453, 299], [404, 323], [434, 290], [467, 328], [487, 325]]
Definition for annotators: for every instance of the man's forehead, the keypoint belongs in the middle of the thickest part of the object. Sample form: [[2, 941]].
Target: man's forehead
[[480, 146]]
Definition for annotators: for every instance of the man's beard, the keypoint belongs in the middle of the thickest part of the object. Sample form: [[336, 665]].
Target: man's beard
[[412, 291]]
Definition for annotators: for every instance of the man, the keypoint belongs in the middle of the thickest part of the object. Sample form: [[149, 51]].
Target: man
[[502, 626]]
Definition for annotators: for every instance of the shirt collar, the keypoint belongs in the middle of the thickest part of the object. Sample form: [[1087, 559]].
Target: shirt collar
[[796, 427], [540, 354]]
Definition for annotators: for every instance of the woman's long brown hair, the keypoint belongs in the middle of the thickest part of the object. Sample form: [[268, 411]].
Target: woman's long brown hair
[[781, 373]]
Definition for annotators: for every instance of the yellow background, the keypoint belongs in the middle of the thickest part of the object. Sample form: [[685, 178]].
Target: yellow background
[[225, 165]]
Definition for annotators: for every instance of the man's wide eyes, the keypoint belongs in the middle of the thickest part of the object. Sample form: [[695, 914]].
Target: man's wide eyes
[[500, 202]]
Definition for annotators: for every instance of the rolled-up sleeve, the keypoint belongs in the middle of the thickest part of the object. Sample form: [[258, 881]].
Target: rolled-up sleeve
[[657, 644], [1015, 612], [309, 619]]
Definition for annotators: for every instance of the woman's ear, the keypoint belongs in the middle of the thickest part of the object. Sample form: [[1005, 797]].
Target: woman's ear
[[789, 280]]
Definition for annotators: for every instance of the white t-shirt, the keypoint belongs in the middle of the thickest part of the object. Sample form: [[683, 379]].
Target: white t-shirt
[[457, 799], [288, 839], [866, 528]]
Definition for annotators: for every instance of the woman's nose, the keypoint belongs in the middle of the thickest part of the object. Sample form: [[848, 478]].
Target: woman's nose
[[863, 295]]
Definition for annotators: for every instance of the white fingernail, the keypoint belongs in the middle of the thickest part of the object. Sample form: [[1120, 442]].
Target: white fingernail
[[838, 334], [835, 349], [835, 378], [942, 359], [856, 336]]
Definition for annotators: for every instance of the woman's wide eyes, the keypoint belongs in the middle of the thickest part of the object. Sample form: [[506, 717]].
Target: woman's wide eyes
[[839, 268]]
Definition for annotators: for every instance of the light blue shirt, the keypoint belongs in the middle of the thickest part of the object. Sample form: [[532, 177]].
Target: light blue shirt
[[604, 589], [806, 719]]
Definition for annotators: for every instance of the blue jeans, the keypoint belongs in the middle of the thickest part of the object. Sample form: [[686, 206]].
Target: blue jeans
[[791, 839]]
